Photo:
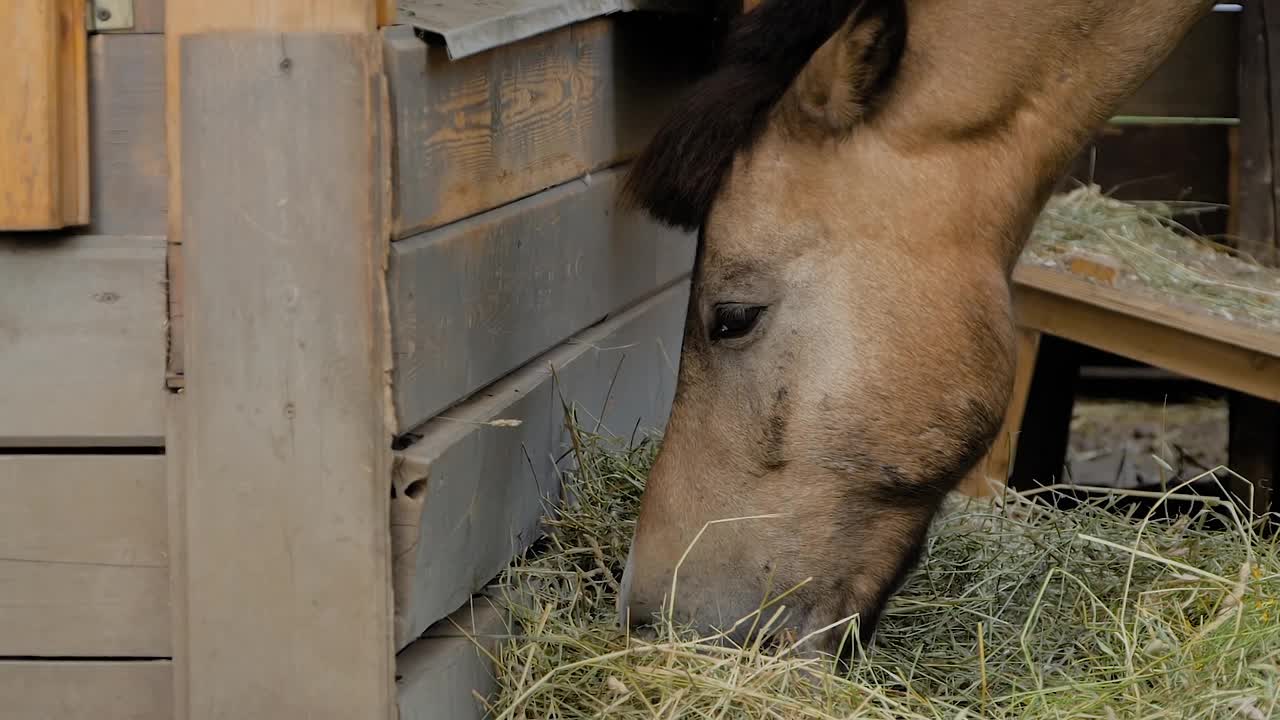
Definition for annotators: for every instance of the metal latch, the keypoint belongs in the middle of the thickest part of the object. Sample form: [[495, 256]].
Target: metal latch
[[109, 15]]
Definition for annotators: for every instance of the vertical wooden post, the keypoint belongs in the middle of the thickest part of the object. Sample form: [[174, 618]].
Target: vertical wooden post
[[281, 480], [1046, 427], [1258, 211]]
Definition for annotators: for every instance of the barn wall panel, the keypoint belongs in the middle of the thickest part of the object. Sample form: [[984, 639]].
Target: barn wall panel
[[82, 327], [469, 495], [128, 166], [83, 556], [479, 298], [476, 133], [86, 690], [442, 672]]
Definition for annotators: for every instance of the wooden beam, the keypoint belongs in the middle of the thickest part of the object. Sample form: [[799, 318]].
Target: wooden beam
[[185, 17], [287, 452], [44, 116], [1258, 209], [526, 276], [1198, 345]]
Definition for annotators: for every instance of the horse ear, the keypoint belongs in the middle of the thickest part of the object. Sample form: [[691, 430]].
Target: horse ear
[[850, 73]]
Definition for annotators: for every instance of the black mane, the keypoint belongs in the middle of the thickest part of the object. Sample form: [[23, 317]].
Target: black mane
[[678, 175]]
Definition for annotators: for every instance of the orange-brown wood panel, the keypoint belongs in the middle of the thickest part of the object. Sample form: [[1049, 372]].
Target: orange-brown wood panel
[[44, 115]]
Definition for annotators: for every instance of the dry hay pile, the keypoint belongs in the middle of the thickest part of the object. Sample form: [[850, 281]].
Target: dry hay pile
[[1158, 253], [1019, 610]]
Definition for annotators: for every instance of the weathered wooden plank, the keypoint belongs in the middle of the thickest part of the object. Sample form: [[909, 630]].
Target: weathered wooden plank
[[89, 690], [83, 568], [476, 133], [175, 456], [1198, 79], [44, 116], [476, 299], [441, 673], [288, 459], [1257, 208], [82, 327], [469, 496], [186, 17], [129, 171], [1197, 345]]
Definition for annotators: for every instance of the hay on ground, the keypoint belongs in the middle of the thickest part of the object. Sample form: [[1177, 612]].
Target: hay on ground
[[1019, 610]]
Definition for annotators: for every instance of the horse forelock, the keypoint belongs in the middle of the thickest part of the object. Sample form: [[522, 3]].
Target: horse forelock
[[678, 175]]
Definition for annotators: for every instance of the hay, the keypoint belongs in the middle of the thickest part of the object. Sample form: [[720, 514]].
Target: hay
[[1157, 253], [1019, 610]]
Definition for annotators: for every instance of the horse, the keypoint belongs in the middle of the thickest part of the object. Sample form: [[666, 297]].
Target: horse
[[862, 176]]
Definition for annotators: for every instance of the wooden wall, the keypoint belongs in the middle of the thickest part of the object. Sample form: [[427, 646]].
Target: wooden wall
[[84, 537], [516, 284]]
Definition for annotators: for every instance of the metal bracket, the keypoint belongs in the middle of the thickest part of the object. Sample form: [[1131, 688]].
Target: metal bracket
[[103, 15]]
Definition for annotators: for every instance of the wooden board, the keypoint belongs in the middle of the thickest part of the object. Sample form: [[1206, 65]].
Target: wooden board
[[44, 116], [1198, 79], [477, 299], [288, 460], [82, 327], [440, 675], [1200, 346], [476, 133], [176, 514], [185, 17], [83, 556], [85, 690], [470, 496], [129, 170], [1257, 206]]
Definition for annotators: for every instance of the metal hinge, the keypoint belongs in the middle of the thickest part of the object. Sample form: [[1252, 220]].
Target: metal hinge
[[102, 15]]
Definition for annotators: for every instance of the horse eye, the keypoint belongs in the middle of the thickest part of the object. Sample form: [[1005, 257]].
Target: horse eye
[[735, 320]]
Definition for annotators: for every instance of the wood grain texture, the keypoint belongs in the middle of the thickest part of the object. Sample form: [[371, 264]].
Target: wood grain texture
[[82, 324], [441, 674], [470, 496], [44, 116], [186, 17], [175, 449], [1198, 79], [476, 299], [287, 463], [129, 170], [482, 131], [1257, 208], [83, 556], [1200, 346], [103, 690]]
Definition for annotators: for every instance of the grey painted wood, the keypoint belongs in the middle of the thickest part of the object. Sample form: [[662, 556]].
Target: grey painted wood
[[128, 168], [82, 340], [83, 556], [441, 673], [476, 133], [286, 555], [476, 299], [469, 496], [86, 690]]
